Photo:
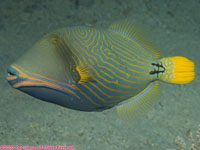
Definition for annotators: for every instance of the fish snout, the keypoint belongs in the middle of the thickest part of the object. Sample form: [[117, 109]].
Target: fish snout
[[12, 75], [11, 71]]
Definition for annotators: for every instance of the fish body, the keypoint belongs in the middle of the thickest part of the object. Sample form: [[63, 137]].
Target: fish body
[[92, 69]]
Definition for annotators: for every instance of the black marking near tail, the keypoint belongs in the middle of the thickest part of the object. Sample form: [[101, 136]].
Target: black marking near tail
[[159, 69]]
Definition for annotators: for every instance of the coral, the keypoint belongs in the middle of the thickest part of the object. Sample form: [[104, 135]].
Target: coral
[[194, 144]]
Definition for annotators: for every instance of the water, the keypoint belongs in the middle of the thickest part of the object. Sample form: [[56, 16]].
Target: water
[[173, 26]]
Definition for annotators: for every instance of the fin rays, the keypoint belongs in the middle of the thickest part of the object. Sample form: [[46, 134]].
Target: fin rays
[[135, 33], [141, 102]]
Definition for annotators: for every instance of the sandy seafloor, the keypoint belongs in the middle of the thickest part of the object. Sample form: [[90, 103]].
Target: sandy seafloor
[[174, 26]]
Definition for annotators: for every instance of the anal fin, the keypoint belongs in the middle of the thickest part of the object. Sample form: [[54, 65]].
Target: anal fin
[[141, 102]]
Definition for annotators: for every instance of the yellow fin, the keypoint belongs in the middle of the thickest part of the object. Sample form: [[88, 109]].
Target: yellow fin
[[178, 70], [85, 74], [132, 31], [139, 103]]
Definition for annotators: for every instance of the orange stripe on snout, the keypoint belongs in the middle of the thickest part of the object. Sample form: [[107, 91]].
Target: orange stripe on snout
[[24, 83], [11, 78], [42, 82], [26, 76]]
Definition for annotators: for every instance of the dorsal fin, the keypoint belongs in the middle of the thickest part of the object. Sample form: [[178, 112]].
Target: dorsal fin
[[129, 30]]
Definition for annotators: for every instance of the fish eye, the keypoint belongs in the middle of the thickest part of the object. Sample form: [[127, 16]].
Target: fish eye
[[75, 75]]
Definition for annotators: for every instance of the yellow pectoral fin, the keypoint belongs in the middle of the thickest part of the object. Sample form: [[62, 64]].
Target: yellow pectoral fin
[[86, 74]]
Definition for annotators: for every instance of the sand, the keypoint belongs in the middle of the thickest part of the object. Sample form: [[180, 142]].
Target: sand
[[24, 120]]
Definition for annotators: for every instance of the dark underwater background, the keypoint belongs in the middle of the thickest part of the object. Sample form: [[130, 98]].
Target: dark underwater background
[[174, 26]]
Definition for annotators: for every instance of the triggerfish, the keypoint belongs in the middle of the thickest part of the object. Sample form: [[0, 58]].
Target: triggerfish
[[90, 69]]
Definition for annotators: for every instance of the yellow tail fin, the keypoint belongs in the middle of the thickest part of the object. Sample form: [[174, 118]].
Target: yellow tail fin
[[178, 70]]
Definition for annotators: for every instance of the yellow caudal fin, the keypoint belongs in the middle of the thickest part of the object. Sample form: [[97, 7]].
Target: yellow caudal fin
[[178, 70]]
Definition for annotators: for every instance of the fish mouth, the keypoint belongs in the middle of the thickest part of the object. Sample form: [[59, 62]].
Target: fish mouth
[[11, 72], [12, 76]]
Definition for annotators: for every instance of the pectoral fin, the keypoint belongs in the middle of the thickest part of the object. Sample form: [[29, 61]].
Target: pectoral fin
[[85, 73]]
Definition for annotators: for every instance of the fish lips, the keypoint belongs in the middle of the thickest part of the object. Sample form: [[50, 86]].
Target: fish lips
[[13, 76]]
